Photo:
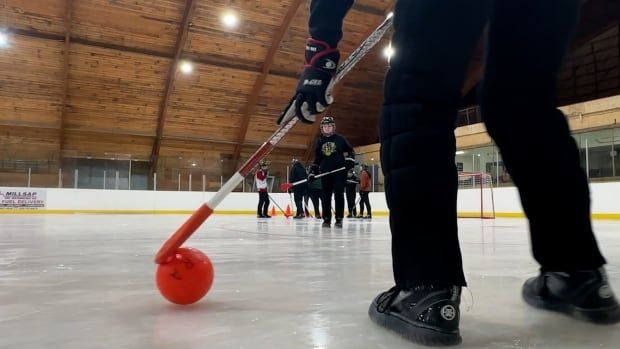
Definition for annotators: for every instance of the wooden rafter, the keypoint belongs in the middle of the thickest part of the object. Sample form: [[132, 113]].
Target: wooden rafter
[[211, 59], [180, 43], [314, 130], [606, 15], [250, 106], [65, 81], [218, 141], [114, 131]]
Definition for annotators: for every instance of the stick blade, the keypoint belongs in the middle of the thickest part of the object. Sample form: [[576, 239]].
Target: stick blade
[[284, 187], [188, 228]]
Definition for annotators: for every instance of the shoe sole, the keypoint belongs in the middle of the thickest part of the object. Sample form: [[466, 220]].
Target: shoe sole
[[601, 316], [421, 335]]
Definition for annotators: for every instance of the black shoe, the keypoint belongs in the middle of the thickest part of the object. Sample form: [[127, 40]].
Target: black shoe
[[350, 216], [368, 217], [338, 223], [260, 216], [584, 295], [326, 224], [266, 216], [427, 315], [318, 216], [299, 217]]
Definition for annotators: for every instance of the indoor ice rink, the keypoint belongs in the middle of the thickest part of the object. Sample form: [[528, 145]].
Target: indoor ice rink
[[87, 281], [120, 118]]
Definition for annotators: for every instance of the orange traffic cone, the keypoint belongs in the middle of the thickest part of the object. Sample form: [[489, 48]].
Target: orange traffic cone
[[273, 211], [288, 211]]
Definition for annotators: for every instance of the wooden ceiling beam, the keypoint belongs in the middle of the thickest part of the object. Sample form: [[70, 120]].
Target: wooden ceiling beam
[[371, 10], [211, 59], [250, 106], [217, 141], [115, 132], [190, 5], [314, 130], [65, 75], [599, 15]]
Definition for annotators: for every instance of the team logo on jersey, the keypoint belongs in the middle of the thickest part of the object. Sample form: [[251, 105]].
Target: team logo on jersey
[[328, 148]]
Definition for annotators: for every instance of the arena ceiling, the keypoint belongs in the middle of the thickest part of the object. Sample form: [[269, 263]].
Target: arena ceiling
[[99, 78]]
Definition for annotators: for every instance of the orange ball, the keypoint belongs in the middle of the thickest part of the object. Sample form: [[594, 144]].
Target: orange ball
[[185, 277]]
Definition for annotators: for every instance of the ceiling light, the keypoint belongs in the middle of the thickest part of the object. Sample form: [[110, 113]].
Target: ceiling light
[[186, 67], [4, 39], [230, 19], [460, 152]]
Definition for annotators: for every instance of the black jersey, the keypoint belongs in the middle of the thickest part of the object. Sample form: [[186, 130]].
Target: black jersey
[[330, 152], [326, 17]]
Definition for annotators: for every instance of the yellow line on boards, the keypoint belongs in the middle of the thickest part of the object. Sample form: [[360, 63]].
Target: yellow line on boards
[[613, 216]]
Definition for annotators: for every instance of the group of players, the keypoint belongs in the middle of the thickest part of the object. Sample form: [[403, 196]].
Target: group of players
[[334, 162]]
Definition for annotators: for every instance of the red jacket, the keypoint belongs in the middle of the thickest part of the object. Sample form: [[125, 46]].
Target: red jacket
[[365, 181], [261, 180]]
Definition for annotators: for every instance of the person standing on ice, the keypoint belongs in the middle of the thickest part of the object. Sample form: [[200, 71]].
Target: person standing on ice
[[332, 152], [365, 186], [350, 189], [315, 190], [261, 186], [433, 42], [298, 173]]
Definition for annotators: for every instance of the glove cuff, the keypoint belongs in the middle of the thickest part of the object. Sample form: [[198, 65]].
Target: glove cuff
[[320, 56]]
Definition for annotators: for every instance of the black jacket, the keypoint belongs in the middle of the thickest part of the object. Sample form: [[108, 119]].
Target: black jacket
[[298, 172], [326, 17], [330, 152], [351, 183]]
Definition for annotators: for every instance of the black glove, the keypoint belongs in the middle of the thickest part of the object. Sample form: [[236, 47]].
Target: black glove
[[349, 163], [314, 90], [314, 169]]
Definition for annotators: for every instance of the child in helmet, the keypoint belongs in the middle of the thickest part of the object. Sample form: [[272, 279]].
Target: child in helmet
[[332, 152], [261, 186]]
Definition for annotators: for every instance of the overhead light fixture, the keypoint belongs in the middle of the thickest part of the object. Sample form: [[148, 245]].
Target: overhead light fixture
[[460, 152], [194, 164], [186, 67], [4, 39], [230, 19]]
